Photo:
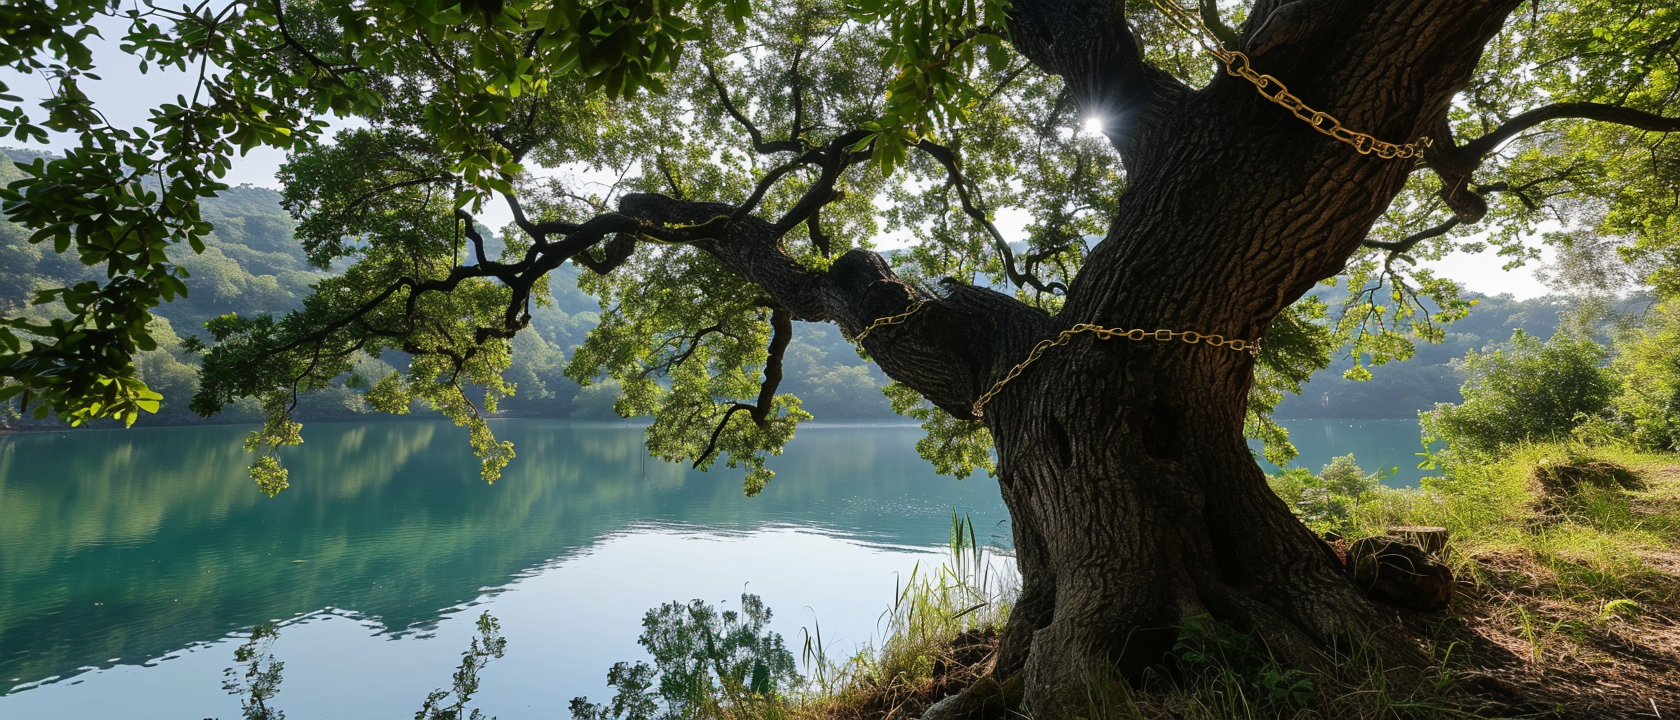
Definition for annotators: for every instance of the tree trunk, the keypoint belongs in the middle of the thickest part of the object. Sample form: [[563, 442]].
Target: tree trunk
[[1136, 506], [1135, 500]]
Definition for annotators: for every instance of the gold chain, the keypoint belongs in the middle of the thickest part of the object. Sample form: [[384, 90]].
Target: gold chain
[[1251, 347], [1270, 88], [892, 320]]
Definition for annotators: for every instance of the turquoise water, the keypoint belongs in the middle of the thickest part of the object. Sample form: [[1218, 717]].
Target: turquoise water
[[129, 560], [1386, 446]]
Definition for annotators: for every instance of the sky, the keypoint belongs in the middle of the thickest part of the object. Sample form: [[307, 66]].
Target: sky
[[126, 96]]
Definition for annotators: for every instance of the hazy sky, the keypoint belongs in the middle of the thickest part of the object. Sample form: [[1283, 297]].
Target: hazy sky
[[126, 97]]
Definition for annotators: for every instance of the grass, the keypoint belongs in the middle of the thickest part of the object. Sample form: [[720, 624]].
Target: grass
[[1568, 565], [1569, 588], [1593, 542], [942, 623]]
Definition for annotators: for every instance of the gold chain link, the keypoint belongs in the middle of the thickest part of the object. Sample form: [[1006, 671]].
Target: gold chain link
[[1270, 88], [892, 320], [1251, 347]]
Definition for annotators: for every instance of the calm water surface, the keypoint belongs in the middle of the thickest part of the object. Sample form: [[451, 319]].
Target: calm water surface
[[1386, 446], [129, 560]]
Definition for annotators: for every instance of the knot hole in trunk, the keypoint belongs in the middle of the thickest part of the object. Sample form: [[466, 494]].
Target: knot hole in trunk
[[1059, 442], [1159, 431]]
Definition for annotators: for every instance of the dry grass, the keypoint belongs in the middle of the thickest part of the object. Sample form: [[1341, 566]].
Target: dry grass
[[953, 664], [1572, 599]]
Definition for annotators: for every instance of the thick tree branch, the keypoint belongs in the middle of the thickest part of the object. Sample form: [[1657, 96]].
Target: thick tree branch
[[835, 159], [539, 231], [797, 89], [474, 236], [520, 276], [616, 252], [770, 179], [711, 445], [1092, 47], [1455, 163], [1400, 247], [1209, 10], [781, 333], [948, 351], [813, 227], [1483, 146], [1479, 193], [1272, 26]]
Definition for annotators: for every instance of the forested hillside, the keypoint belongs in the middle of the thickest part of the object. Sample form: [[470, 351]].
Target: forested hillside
[[1402, 389], [251, 265]]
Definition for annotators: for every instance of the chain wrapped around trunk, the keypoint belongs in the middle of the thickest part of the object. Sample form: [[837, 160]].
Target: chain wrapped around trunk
[[1236, 63], [1252, 347]]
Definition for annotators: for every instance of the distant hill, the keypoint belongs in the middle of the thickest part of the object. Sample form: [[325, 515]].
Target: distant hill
[[1401, 389]]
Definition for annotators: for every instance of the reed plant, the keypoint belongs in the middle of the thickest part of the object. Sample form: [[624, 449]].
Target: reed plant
[[936, 613]]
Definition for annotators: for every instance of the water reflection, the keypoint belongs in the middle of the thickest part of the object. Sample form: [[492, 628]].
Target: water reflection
[[121, 547], [128, 545]]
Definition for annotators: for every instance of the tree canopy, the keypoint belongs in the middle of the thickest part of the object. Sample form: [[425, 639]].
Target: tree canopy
[[837, 122]]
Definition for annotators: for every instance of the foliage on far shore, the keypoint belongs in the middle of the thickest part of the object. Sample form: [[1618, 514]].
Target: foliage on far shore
[[1571, 386]]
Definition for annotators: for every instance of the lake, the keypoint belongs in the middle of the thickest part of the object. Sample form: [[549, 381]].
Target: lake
[[1388, 447], [130, 560]]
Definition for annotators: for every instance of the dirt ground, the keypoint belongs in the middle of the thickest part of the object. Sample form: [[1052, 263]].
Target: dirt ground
[[1541, 656]]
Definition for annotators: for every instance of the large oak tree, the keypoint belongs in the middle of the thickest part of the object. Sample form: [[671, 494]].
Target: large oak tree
[[751, 155]]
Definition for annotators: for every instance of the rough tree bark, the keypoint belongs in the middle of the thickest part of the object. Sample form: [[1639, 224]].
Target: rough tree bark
[[1134, 498]]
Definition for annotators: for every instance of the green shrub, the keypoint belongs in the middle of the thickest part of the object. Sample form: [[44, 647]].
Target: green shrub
[[1326, 501], [1524, 391], [1648, 363]]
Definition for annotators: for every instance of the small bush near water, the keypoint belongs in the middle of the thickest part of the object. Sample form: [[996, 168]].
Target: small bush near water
[[1649, 403], [710, 664], [1525, 391], [1326, 501]]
